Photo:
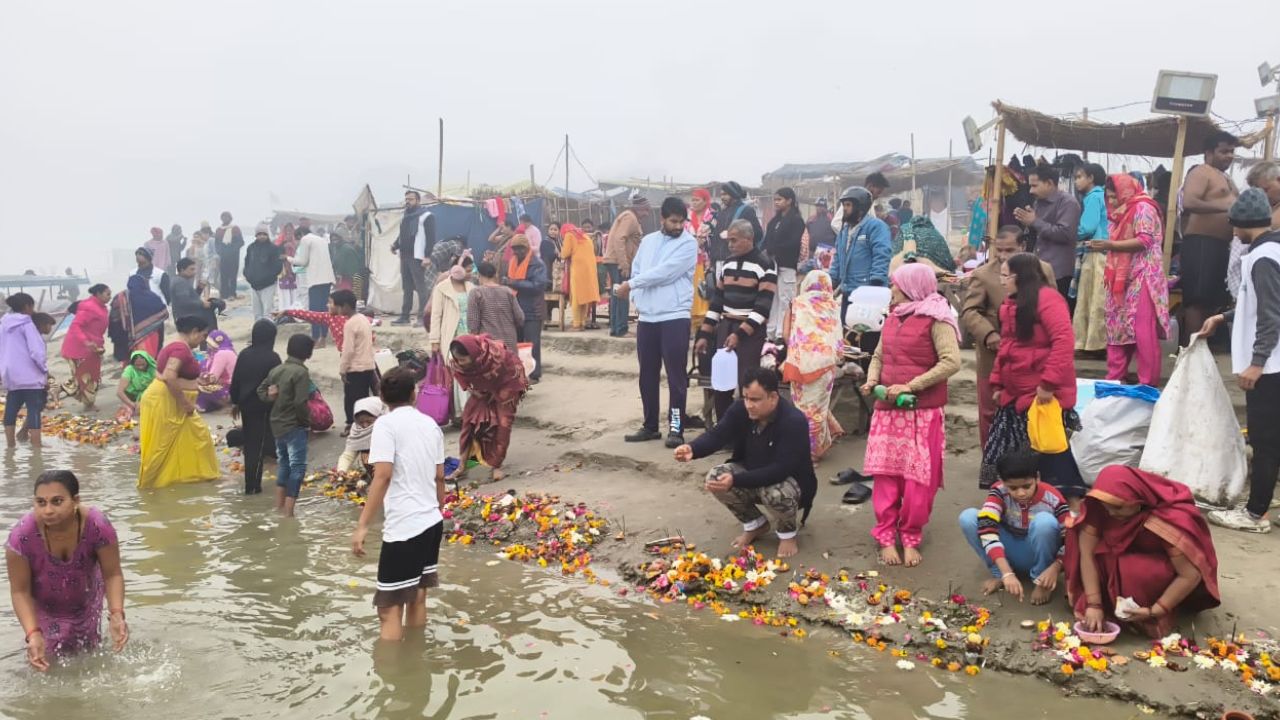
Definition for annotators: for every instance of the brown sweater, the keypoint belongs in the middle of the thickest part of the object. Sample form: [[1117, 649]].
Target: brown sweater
[[624, 241], [492, 309]]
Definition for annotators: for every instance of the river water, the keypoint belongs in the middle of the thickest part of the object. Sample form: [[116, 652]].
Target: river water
[[238, 614]]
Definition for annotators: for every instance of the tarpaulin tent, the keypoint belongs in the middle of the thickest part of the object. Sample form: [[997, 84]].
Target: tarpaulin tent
[[453, 220]]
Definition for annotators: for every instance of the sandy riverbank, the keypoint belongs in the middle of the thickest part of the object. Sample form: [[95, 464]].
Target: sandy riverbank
[[568, 441]]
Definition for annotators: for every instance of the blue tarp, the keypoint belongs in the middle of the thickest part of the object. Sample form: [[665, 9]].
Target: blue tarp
[[474, 224]]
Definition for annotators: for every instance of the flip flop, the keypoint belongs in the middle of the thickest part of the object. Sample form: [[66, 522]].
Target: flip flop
[[856, 494], [849, 475]]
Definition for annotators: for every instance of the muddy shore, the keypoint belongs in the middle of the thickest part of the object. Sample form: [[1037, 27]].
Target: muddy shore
[[568, 442]]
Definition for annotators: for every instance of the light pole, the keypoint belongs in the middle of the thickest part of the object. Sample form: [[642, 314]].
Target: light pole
[[1269, 107]]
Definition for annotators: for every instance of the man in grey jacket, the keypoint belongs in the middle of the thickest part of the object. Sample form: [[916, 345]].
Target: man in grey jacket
[[1053, 224]]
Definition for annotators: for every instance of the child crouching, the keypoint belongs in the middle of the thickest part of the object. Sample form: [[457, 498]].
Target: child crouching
[[1019, 529], [357, 449]]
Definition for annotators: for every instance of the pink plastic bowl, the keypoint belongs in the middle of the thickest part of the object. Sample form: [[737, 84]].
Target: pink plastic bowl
[[1106, 637]]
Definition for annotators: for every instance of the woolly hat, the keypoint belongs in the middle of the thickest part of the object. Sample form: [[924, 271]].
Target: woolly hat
[[1251, 210]]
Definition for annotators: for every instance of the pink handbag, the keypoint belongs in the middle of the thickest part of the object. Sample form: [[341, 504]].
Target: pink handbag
[[433, 393]]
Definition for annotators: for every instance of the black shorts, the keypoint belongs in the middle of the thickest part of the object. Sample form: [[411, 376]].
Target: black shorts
[[1203, 262], [406, 566]]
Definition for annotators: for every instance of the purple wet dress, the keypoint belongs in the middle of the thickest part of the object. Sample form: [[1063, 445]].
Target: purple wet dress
[[68, 594]]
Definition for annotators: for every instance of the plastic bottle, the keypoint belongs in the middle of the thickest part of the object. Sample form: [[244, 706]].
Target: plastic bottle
[[905, 400]]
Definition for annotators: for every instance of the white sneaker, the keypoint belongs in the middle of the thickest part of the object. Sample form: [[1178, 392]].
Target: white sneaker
[[1239, 519]]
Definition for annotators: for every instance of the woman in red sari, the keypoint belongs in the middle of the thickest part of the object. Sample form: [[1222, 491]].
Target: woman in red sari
[[85, 343], [1139, 536], [495, 379]]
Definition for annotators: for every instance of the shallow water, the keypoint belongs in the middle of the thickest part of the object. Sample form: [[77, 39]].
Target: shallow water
[[238, 614]]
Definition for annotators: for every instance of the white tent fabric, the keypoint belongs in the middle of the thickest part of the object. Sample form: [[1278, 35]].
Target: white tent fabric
[[385, 292]]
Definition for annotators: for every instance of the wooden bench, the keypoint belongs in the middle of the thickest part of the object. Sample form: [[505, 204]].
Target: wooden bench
[[556, 301]]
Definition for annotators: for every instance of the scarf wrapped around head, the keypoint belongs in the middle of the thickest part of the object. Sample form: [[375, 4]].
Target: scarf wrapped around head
[[519, 269], [494, 370], [817, 337], [359, 439], [139, 380], [143, 302], [157, 233], [1123, 213], [221, 341], [920, 285]]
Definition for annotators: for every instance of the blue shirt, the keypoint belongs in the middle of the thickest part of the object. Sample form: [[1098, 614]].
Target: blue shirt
[[862, 255], [1093, 216], [662, 277]]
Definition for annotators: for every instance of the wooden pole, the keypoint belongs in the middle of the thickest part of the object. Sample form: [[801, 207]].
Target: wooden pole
[[1171, 216], [994, 202], [913, 162], [1269, 145], [1086, 119], [532, 182], [566, 167], [440, 165]]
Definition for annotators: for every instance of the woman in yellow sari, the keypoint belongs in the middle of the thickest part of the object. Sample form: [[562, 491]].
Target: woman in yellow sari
[[584, 285], [176, 445]]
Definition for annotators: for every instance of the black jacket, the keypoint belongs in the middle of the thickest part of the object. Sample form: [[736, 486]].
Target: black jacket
[[787, 437], [262, 264], [718, 247], [418, 218], [782, 241]]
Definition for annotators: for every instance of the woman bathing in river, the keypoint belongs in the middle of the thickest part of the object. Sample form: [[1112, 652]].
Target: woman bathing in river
[[62, 559]]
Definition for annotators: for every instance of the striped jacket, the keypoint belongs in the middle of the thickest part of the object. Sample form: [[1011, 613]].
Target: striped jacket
[[1001, 510], [744, 291]]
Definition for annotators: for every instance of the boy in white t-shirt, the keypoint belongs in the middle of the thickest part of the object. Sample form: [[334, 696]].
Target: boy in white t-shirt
[[407, 455]]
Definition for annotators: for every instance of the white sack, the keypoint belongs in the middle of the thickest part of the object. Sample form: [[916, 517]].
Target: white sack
[[1114, 431]]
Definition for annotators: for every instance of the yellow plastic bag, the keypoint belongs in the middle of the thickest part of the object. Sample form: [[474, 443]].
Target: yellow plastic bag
[[1045, 429]]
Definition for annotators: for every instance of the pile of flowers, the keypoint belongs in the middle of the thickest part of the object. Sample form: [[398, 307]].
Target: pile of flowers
[[97, 432], [680, 573], [534, 528], [350, 485]]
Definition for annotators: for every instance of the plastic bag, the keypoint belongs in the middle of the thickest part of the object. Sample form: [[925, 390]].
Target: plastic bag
[[1114, 432], [724, 371], [1195, 437], [525, 351], [434, 392], [1045, 428], [867, 308], [321, 414]]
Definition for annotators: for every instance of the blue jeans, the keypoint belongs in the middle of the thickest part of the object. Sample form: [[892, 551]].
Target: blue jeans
[[318, 301], [619, 308], [34, 401], [1028, 555], [291, 454]]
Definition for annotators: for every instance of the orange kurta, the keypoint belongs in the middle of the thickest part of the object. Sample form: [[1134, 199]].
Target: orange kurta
[[580, 253]]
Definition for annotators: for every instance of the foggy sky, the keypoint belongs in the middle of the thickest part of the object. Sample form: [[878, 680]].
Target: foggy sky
[[123, 115]]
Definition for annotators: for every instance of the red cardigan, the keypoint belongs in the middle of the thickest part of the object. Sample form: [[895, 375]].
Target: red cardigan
[[1046, 360]]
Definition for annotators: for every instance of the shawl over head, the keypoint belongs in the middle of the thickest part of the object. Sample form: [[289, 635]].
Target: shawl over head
[[919, 283]]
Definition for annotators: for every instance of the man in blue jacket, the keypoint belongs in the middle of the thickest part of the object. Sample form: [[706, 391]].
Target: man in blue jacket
[[863, 247], [661, 287], [527, 275]]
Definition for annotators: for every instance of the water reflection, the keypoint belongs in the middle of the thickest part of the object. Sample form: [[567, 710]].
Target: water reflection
[[237, 613]]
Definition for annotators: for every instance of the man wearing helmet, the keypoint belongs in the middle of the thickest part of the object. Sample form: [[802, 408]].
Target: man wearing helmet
[[863, 246]]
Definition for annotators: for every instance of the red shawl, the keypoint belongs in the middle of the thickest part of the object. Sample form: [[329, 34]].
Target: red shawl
[[1130, 197], [1167, 511], [495, 374]]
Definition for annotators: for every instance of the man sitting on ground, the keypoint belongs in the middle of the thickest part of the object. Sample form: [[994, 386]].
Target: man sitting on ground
[[769, 466]]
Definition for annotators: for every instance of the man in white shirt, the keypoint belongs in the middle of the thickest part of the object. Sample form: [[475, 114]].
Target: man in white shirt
[[407, 455], [313, 255]]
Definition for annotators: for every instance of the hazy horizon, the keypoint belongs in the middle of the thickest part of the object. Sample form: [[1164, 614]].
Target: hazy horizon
[[139, 113]]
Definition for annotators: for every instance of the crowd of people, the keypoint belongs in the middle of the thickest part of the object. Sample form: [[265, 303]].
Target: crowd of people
[[711, 285]]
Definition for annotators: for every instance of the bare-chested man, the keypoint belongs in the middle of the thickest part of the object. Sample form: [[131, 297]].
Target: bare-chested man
[[1206, 233], [1266, 177]]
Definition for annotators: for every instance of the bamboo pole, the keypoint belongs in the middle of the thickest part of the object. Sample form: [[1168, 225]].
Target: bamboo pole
[[1171, 215], [1269, 145], [440, 165], [913, 163], [994, 203]]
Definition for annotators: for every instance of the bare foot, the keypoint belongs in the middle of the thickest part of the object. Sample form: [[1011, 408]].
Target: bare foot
[[746, 538], [912, 556], [1041, 596], [457, 475], [889, 555], [787, 547], [992, 586], [498, 475]]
